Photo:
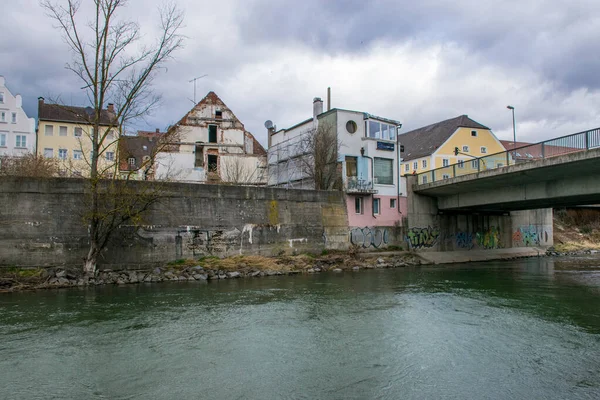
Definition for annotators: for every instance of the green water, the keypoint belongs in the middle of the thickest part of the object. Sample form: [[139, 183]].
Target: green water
[[526, 329]]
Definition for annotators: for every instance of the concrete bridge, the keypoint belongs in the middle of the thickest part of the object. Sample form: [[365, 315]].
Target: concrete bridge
[[566, 180], [503, 200], [555, 173]]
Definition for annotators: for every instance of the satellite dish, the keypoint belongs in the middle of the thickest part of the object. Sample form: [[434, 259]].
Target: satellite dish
[[268, 124]]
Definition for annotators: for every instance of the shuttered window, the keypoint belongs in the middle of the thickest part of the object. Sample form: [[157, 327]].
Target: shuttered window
[[384, 171]]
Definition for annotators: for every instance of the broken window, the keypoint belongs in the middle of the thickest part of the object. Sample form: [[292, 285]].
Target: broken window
[[199, 159], [212, 163], [218, 114], [212, 134]]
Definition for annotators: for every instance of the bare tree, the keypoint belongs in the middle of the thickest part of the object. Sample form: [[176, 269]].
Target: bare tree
[[321, 147], [114, 68], [236, 169], [29, 164]]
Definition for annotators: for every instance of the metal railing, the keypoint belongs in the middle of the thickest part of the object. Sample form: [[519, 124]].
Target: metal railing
[[573, 143]]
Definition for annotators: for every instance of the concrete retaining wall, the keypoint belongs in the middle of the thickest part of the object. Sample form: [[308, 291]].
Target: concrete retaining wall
[[41, 223]]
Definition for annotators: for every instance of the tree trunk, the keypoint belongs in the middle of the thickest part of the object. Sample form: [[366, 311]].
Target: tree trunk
[[89, 263]]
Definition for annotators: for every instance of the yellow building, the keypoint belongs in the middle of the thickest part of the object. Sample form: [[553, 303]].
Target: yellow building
[[64, 132], [433, 149]]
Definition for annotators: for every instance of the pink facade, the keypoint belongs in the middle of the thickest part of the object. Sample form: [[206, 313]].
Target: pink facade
[[387, 215]]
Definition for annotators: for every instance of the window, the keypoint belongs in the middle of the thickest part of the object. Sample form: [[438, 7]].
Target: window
[[483, 150], [77, 132], [2, 116], [351, 166], [500, 165], [48, 153], [77, 155], [358, 205], [445, 176], [48, 130], [474, 133], [2, 139], [379, 130], [62, 154], [445, 162], [212, 163], [110, 155], [131, 161], [415, 165], [351, 127], [406, 167], [21, 141], [376, 206], [212, 134], [465, 149], [424, 163], [1, 97], [461, 164], [218, 114], [14, 118], [62, 131], [424, 179], [392, 203], [475, 164], [383, 171]]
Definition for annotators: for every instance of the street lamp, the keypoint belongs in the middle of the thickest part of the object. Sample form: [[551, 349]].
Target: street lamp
[[514, 127]]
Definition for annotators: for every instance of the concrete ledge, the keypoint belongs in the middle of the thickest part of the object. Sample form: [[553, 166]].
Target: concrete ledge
[[450, 257]]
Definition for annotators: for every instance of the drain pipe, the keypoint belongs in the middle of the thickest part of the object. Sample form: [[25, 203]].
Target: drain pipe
[[362, 154]]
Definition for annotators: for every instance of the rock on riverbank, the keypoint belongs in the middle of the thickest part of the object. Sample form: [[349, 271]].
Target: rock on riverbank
[[205, 270]]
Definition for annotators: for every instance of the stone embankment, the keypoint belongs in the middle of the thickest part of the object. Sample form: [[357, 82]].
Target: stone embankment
[[551, 252], [60, 278]]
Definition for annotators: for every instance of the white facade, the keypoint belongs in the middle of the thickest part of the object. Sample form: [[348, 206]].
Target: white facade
[[213, 146], [362, 141], [17, 131]]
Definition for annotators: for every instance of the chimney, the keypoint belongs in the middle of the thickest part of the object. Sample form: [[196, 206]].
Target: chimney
[[111, 108], [328, 98], [40, 100], [317, 107], [157, 130]]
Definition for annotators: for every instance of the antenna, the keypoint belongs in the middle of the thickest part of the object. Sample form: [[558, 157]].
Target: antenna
[[194, 80], [268, 124]]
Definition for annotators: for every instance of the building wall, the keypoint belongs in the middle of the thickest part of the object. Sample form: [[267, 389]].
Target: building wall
[[72, 143], [24, 126], [462, 137], [190, 221]]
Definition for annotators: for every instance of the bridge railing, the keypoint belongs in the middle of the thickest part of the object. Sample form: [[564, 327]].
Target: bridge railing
[[573, 143]]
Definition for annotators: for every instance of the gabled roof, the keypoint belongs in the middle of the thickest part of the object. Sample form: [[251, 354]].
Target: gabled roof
[[210, 99], [137, 147], [426, 140], [77, 115]]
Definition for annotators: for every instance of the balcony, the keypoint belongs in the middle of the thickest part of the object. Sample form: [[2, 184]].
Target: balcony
[[359, 186]]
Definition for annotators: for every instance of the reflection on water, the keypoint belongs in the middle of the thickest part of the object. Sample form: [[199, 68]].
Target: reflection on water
[[496, 330]]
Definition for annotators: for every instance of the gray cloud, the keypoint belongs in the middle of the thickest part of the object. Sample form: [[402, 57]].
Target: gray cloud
[[418, 62]]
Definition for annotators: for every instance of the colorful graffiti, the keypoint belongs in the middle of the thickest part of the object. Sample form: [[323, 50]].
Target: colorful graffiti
[[369, 237], [418, 238], [529, 236], [488, 239], [464, 240]]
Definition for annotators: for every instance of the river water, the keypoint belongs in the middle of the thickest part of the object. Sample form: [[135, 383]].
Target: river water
[[527, 329]]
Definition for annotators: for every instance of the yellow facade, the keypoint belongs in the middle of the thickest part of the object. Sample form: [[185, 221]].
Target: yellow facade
[[70, 143], [472, 143]]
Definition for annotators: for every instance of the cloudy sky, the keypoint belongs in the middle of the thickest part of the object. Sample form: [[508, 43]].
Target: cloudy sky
[[418, 62]]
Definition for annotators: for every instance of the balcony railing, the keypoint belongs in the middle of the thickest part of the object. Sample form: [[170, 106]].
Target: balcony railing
[[359, 186], [573, 143]]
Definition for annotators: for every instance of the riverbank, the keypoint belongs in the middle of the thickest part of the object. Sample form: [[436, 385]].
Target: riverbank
[[204, 269]]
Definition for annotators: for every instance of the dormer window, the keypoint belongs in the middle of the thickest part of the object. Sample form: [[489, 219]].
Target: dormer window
[[218, 114], [131, 161]]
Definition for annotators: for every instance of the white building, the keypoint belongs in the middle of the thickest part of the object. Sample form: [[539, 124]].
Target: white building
[[367, 161], [212, 146], [17, 131]]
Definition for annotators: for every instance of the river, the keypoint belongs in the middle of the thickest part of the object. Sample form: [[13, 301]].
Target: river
[[526, 329]]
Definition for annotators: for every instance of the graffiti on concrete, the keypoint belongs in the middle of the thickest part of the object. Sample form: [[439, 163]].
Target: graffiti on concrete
[[418, 238], [369, 237], [488, 239], [529, 236], [464, 240]]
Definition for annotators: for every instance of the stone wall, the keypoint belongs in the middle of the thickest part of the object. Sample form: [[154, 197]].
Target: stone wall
[[41, 224]]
